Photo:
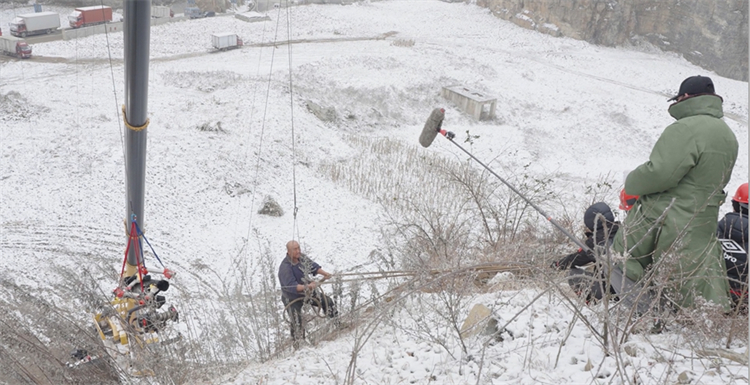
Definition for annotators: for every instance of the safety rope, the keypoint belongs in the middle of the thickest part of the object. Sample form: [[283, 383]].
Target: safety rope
[[142, 235], [308, 299], [315, 297], [260, 141], [114, 90], [133, 240], [410, 286], [377, 275], [295, 229]]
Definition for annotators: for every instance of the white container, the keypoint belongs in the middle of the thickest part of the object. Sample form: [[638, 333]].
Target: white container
[[159, 11], [224, 40]]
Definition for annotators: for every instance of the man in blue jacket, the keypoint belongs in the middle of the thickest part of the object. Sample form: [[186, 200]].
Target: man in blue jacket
[[297, 286]]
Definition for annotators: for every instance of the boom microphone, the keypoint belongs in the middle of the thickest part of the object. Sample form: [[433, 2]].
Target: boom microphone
[[432, 127]]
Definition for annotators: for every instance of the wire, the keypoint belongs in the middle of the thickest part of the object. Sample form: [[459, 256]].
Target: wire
[[295, 229], [260, 141], [114, 92]]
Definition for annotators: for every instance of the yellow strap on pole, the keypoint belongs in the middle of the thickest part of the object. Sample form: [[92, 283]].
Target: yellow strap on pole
[[128, 125]]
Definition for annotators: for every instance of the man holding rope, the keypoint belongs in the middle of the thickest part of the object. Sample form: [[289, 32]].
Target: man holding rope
[[297, 286]]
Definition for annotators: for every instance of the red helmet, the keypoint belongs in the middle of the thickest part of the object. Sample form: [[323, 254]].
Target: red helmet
[[627, 201], [741, 194]]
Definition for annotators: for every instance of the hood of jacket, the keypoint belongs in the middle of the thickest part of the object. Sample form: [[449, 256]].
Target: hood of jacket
[[698, 105]]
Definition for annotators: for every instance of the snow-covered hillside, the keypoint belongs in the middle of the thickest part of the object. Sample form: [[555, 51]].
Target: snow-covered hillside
[[220, 141]]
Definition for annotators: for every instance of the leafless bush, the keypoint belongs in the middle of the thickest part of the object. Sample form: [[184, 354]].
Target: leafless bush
[[450, 207], [205, 81], [403, 43], [240, 315], [474, 219], [15, 107], [38, 337], [208, 127], [224, 323]]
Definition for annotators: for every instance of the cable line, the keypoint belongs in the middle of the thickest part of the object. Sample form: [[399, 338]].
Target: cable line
[[260, 142], [295, 229]]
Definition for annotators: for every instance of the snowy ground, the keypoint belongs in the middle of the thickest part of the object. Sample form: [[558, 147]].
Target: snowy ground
[[581, 113]]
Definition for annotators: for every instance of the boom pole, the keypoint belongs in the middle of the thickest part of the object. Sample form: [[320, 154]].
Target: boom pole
[[137, 37]]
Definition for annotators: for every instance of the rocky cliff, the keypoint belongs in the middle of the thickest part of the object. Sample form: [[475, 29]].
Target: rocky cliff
[[712, 34]]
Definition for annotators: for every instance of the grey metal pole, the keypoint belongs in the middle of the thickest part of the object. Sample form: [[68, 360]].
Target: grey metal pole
[[137, 35]]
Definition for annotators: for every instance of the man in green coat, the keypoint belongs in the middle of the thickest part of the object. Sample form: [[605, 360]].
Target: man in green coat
[[681, 188]]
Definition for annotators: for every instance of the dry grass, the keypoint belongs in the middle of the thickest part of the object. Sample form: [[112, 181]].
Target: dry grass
[[440, 215]]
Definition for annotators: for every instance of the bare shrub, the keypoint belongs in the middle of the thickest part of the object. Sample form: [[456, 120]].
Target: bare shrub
[[38, 337], [209, 127], [403, 43], [15, 107], [452, 204], [204, 81], [225, 321], [444, 216], [270, 207]]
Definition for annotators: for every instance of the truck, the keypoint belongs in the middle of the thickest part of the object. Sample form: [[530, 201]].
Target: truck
[[159, 11], [193, 12], [13, 46], [87, 16], [225, 41], [30, 24]]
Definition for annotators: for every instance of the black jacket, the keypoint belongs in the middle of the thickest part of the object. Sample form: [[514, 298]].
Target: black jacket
[[598, 216], [733, 226]]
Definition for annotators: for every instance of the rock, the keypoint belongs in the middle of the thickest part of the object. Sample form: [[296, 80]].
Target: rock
[[709, 33], [479, 321], [234, 189], [326, 114], [271, 208], [630, 350]]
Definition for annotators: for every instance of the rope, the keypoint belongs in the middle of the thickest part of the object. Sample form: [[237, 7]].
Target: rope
[[130, 126], [438, 274], [295, 230], [141, 234], [131, 237], [114, 91], [306, 299], [260, 141], [125, 261], [372, 276], [375, 275], [309, 298], [139, 262]]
